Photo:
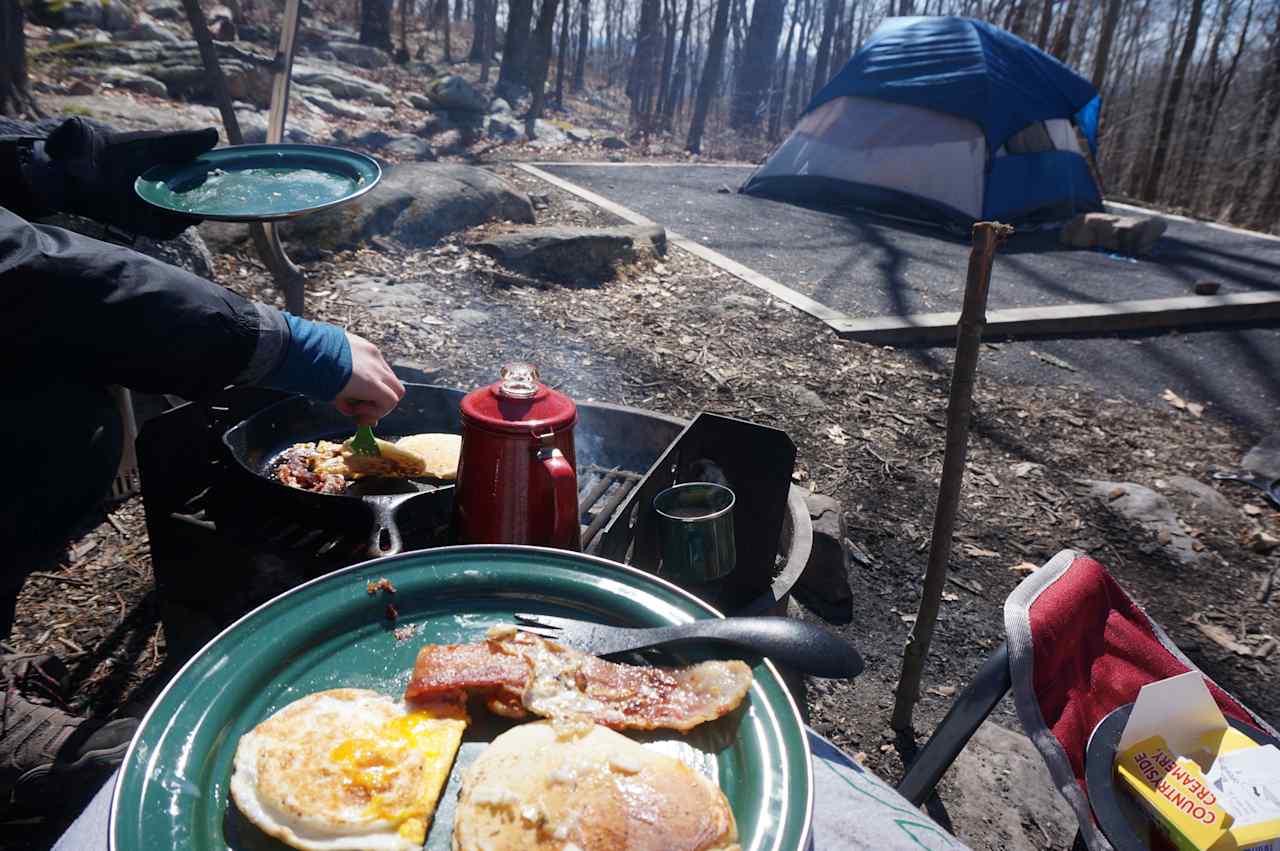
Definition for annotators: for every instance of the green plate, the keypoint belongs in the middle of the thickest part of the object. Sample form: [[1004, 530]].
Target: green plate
[[330, 633], [259, 183]]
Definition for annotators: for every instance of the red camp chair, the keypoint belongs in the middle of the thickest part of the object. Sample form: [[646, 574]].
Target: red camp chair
[[1076, 648]]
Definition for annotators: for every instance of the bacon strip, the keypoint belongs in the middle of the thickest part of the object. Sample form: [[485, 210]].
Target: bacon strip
[[518, 673]]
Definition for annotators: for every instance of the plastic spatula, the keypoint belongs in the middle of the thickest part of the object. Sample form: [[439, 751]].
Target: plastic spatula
[[364, 443]]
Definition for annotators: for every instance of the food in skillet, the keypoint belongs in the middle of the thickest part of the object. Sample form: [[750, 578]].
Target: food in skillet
[[535, 789], [348, 769], [312, 467], [439, 453], [327, 467], [518, 674]]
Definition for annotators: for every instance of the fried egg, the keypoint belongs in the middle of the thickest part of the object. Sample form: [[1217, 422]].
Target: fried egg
[[347, 770]]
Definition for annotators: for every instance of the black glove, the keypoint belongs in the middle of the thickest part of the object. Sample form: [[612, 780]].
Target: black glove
[[98, 170]]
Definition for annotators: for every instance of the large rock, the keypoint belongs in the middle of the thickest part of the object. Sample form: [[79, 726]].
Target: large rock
[[253, 128], [1197, 500], [408, 148], [179, 66], [165, 10], [504, 127], [123, 78], [321, 99], [999, 795], [148, 30], [364, 55], [575, 254], [546, 134], [417, 204], [437, 123], [455, 94], [422, 102], [1132, 235], [824, 585], [341, 84], [1151, 511], [110, 15]]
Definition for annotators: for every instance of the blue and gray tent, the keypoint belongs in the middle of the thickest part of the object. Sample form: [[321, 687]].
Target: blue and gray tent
[[946, 120]]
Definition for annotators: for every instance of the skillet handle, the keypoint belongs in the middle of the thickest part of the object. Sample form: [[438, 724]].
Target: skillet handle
[[385, 538]]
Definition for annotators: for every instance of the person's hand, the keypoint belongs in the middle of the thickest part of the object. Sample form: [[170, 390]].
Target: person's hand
[[98, 170], [373, 390]]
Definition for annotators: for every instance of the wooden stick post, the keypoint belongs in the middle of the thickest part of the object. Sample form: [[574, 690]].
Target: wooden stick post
[[973, 316]]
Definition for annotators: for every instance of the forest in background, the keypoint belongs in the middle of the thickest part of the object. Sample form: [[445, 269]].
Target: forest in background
[[1191, 88]]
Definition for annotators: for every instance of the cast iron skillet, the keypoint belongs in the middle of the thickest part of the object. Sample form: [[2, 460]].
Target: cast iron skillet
[[255, 443]]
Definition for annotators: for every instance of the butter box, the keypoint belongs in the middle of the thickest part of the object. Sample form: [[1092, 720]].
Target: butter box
[[1208, 787]]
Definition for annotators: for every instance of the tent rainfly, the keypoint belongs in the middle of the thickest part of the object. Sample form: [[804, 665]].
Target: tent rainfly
[[946, 120]]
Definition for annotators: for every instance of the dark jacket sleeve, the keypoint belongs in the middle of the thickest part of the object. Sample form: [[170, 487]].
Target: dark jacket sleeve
[[89, 311]]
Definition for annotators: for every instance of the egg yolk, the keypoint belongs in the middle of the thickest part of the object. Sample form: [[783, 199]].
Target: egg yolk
[[375, 764]]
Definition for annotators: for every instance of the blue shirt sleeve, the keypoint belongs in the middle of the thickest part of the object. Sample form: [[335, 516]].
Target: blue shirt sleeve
[[316, 361]]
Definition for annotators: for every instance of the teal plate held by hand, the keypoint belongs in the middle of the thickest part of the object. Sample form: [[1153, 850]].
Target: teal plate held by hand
[[259, 183], [330, 633]]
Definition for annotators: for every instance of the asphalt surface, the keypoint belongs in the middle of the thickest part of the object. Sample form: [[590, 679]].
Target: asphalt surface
[[864, 265]]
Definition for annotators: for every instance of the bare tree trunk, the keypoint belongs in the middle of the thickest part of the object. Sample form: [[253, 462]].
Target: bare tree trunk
[[485, 39], [515, 50], [539, 62], [670, 23], [1268, 210], [448, 44], [584, 44], [1143, 159], [375, 24], [682, 71], [710, 81], [1193, 168], [402, 55], [642, 81], [737, 21], [1151, 186], [798, 88], [1231, 70], [609, 37], [1267, 97], [1080, 39], [1062, 38], [822, 61], [780, 90], [1046, 21], [479, 22], [15, 90], [560, 60], [751, 91], [1109, 21]]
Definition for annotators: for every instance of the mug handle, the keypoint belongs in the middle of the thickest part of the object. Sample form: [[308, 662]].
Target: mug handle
[[564, 485]]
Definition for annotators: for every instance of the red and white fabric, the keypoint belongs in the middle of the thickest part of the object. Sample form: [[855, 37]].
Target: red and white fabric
[[1079, 647]]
